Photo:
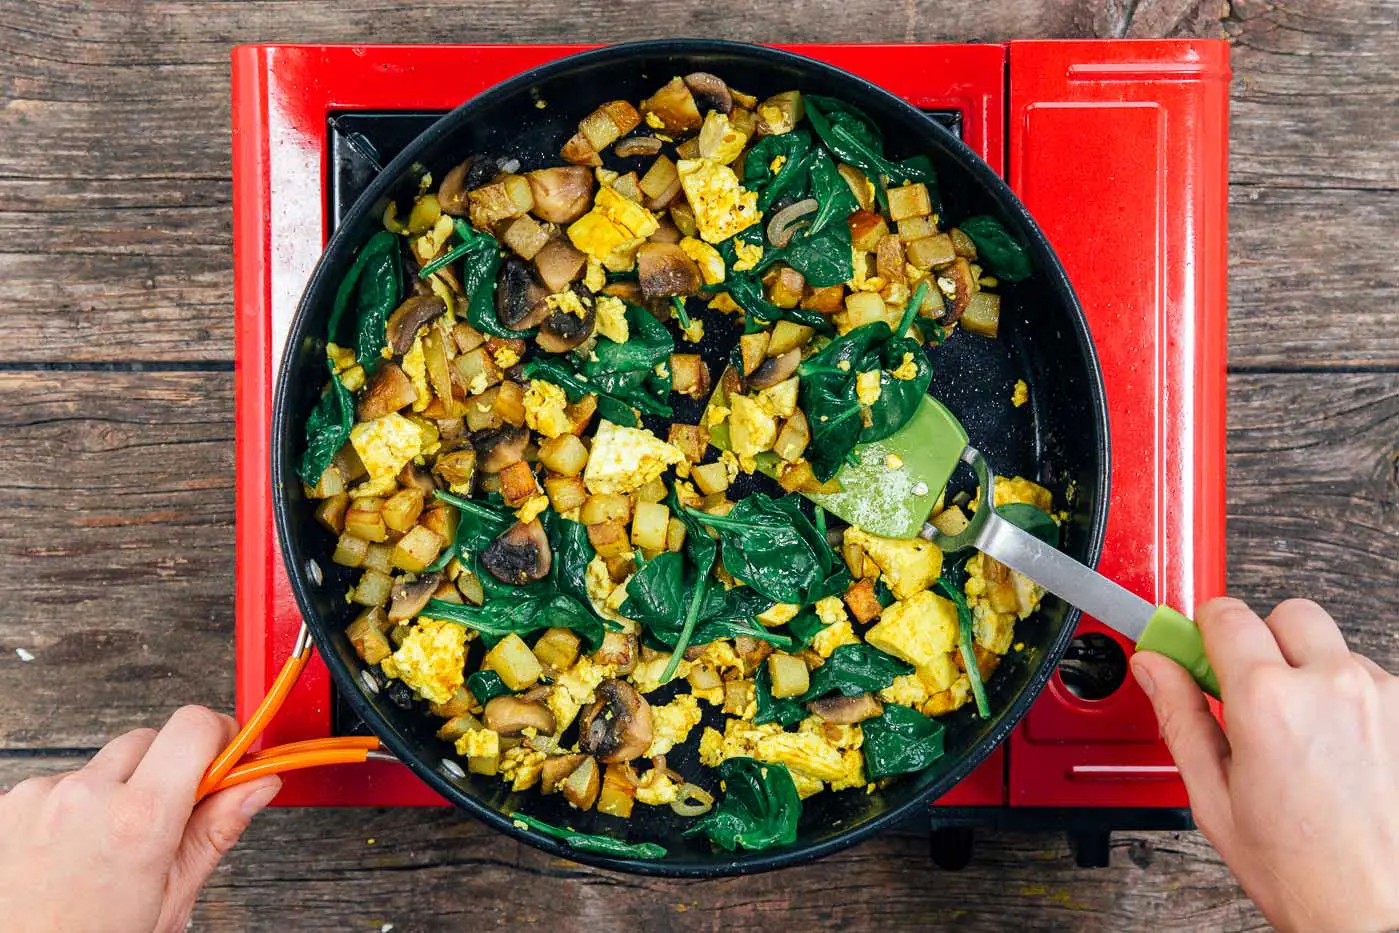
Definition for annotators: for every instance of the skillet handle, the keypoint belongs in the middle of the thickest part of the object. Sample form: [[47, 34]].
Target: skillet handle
[[1172, 633]]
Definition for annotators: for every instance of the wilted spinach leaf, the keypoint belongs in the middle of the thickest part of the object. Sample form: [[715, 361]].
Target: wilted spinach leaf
[[966, 642], [760, 808], [480, 263], [327, 429], [1034, 520], [648, 343], [899, 741], [770, 545], [996, 249], [590, 842], [852, 670]]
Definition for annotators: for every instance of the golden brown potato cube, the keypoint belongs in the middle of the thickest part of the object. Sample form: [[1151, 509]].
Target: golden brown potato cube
[[466, 337], [480, 411], [417, 549], [788, 676], [372, 589], [558, 264], [580, 413], [754, 349], [798, 477], [648, 526], [583, 784], [565, 492], [519, 190], [490, 204], [909, 201], [866, 230], [691, 439], [350, 551], [556, 769], [916, 228], [620, 566], [389, 389], [889, 259], [710, 478], [738, 694], [623, 114], [983, 315], [785, 286], [514, 662], [964, 245], [780, 113], [660, 179], [579, 151], [367, 636], [862, 602], [689, 375], [331, 512], [618, 650], [787, 335], [379, 557], [517, 483], [458, 726], [826, 300], [674, 106], [470, 588], [331, 483], [931, 251], [476, 370], [793, 438], [651, 491], [348, 463], [950, 521], [566, 455], [526, 236], [459, 703], [402, 509], [717, 504], [965, 281], [609, 539], [684, 216], [510, 403], [618, 791], [675, 534], [363, 520], [859, 185], [457, 467], [601, 129], [863, 308], [557, 648], [606, 507]]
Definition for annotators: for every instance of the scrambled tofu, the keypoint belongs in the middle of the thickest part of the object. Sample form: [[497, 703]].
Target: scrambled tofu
[[921, 630], [606, 597], [722, 207], [479, 743], [625, 459], [747, 255], [611, 315], [907, 564], [724, 303], [1019, 489], [646, 678], [656, 789], [596, 277], [906, 370], [720, 139], [906, 690], [826, 641], [711, 264], [721, 656], [430, 660], [751, 429], [342, 358], [613, 230], [544, 408], [566, 301], [778, 614], [867, 387], [534, 507], [574, 689], [997, 604], [386, 445], [671, 723], [521, 766], [739, 739], [1021, 394]]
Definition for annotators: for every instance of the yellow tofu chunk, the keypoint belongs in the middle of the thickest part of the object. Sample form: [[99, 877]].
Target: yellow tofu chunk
[[430, 660], [386, 445], [722, 207], [544, 408], [921, 630], [671, 723], [625, 459], [907, 564]]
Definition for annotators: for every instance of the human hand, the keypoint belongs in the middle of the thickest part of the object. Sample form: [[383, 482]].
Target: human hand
[[1301, 798], [119, 844]]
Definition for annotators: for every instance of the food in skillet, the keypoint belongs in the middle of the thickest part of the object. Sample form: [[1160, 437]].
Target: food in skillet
[[581, 543]]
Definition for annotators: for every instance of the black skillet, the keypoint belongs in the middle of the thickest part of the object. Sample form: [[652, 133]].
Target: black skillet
[[1059, 438]]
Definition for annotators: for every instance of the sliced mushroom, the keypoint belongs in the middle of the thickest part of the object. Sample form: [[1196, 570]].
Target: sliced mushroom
[[563, 193], [520, 555], [555, 769], [637, 146], [498, 448], [389, 390], [775, 369], [710, 91], [512, 716], [847, 710], [617, 726], [410, 598], [563, 330], [472, 173], [418, 478], [663, 269], [519, 296], [407, 318]]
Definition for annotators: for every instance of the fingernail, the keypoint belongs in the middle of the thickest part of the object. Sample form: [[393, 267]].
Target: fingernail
[[260, 798], [1143, 678]]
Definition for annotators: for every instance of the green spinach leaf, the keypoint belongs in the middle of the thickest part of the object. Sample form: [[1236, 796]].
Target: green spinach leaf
[[648, 344], [804, 627], [785, 712], [327, 429], [478, 523], [480, 264], [770, 545], [618, 393], [522, 614], [1034, 520], [966, 643], [372, 288], [996, 249], [852, 670], [760, 808], [853, 137], [791, 178], [588, 842], [899, 741], [486, 686]]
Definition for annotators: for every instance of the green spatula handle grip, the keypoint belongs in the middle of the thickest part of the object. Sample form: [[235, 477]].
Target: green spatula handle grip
[[1173, 634]]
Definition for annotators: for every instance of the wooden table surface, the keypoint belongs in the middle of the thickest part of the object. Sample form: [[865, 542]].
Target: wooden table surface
[[116, 431]]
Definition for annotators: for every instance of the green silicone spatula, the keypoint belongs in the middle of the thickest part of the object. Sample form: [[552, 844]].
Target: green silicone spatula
[[891, 489]]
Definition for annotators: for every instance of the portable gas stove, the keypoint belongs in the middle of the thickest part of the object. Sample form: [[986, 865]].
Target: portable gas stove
[[1118, 148]]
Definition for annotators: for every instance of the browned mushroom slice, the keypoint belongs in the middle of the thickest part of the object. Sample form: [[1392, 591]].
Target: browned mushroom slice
[[775, 369], [410, 598], [847, 710], [562, 194], [564, 330], [663, 269], [617, 726], [451, 194], [519, 296], [512, 716], [521, 555], [417, 477], [498, 448], [409, 317], [389, 389], [710, 91]]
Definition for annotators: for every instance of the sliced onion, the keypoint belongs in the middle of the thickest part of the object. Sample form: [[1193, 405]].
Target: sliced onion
[[786, 221], [637, 146], [693, 800], [509, 166]]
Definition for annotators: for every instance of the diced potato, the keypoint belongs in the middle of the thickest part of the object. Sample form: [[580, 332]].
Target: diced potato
[[609, 538], [965, 281], [618, 791], [950, 521], [675, 534], [526, 236], [859, 185], [457, 467], [460, 703], [516, 664], [564, 454], [389, 390], [788, 675], [930, 251], [476, 370], [331, 483], [826, 300], [558, 263], [366, 633], [798, 477], [470, 588], [711, 478], [363, 520], [491, 203], [557, 648], [689, 375], [379, 557], [331, 512], [517, 483], [458, 726], [579, 151], [442, 519], [373, 589], [582, 786], [648, 527], [866, 230], [864, 308], [780, 113], [606, 507], [915, 228], [556, 769], [794, 437], [609, 123], [651, 491], [691, 439], [909, 201], [673, 106], [510, 403], [964, 245], [889, 259], [350, 551], [402, 509], [864, 605], [565, 492], [738, 694], [660, 180], [785, 287], [520, 191], [787, 335], [417, 549], [753, 348], [983, 314], [580, 413]]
